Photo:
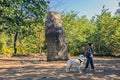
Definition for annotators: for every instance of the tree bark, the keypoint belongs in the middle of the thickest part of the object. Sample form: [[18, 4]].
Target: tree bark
[[15, 40]]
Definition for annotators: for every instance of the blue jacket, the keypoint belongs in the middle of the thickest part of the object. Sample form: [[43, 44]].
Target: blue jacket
[[88, 54]]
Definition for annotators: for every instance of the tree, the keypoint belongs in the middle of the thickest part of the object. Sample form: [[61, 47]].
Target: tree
[[106, 29], [19, 15], [77, 30]]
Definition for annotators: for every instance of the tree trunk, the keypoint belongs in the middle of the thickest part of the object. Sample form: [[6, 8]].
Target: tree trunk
[[15, 40], [55, 40], [39, 45]]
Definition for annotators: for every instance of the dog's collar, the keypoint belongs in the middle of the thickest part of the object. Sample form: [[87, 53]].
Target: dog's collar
[[80, 60]]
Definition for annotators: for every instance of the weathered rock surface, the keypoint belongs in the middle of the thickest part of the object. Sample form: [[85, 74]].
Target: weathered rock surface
[[55, 40]]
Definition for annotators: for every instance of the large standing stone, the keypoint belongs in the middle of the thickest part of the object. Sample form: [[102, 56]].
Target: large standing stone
[[56, 47]]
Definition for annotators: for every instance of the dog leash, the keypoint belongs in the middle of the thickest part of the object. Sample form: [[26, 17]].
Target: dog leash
[[80, 60]]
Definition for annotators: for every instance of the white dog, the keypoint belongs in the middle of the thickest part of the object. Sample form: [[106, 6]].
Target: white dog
[[75, 62]]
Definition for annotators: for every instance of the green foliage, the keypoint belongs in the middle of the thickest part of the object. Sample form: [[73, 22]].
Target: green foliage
[[33, 43], [17, 16], [26, 18], [106, 29], [103, 30], [77, 32]]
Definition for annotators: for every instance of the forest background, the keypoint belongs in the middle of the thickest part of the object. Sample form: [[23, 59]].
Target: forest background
[[22, 29]]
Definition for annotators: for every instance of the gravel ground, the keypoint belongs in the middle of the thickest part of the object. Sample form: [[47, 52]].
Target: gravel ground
[[36, 68]]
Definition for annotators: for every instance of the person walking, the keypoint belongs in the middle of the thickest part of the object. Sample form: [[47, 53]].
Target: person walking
[[89, 56]]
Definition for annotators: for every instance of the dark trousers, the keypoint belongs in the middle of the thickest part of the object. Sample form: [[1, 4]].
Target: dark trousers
[[89, 60]]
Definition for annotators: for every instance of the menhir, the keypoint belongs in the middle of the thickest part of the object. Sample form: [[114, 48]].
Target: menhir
[[55, 39]]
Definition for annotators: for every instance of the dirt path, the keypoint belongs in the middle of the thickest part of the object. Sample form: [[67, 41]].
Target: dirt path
[[36, 68]]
